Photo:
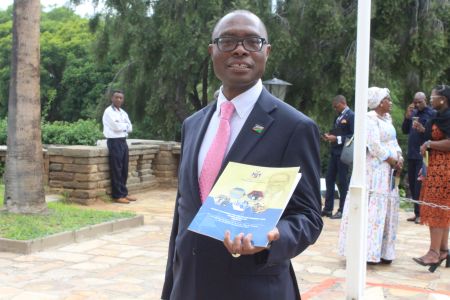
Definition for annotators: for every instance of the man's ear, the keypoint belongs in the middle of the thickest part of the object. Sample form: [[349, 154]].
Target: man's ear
[[210, 49], [267, 49]]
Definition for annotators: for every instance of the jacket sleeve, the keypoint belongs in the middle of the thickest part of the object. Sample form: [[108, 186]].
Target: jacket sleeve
[[351, 126], [168, 280], [406, 125], [301, 223]]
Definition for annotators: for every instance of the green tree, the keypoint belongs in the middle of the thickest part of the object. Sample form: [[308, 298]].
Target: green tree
[[72, 83]]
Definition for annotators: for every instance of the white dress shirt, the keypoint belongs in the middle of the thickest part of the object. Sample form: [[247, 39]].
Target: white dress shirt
[[243, 105], [116, 123]]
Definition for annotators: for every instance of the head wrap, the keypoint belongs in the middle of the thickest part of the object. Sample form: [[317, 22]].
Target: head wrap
[[377, 94]]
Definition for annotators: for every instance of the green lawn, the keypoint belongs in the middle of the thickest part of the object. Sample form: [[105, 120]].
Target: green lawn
[[61, 217]]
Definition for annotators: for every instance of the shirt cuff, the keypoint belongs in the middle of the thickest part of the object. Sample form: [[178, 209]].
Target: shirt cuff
[[339, 139]]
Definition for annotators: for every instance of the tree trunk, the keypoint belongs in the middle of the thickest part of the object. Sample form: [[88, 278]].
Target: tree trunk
[[24, 174]]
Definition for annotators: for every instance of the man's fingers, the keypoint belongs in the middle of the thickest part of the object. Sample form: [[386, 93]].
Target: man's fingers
[[227, 241], [247, 243], [273, 235]]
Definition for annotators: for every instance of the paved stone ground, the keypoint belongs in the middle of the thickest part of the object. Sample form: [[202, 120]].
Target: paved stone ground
[[130, 265]]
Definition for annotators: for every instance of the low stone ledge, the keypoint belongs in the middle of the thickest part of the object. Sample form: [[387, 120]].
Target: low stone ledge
[[69, 237]]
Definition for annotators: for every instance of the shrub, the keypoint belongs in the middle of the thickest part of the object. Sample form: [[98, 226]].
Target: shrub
[[3, 131], [81, 132]]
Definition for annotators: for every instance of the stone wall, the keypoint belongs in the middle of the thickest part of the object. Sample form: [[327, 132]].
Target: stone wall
[[81, 173], [44, 153]]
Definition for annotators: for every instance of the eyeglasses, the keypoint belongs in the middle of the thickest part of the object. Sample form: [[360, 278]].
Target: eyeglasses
[[251, 44], [434, 97]]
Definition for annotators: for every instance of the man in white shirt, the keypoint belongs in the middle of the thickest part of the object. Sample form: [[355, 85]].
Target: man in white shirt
[[116, 126]]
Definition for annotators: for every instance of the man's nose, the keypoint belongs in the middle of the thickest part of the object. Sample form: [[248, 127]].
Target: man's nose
[[240, 48]]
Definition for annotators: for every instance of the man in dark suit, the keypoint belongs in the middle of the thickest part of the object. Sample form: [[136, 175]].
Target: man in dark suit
[[266, 132], [419, 112], [343, 127]]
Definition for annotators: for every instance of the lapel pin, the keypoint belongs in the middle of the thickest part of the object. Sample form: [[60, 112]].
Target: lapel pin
[[258, 128]]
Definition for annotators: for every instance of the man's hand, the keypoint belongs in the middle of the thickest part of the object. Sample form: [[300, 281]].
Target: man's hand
[[409, 111], [418, 126], [329, 138], [243, 244]]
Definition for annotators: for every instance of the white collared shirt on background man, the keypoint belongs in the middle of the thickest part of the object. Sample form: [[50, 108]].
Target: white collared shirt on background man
[[116, 123]]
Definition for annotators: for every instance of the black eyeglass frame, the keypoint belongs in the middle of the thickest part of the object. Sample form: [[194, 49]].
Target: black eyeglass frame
[[241, 41]]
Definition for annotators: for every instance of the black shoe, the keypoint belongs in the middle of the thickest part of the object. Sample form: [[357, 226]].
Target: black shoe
[[432, 265], [411, 219], [327, 213], [447, 258], [337, 215], [417, 220], [386, 261]]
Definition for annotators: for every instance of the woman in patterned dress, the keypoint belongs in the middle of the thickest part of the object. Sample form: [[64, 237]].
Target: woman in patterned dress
[[436, 183], [383, 158]]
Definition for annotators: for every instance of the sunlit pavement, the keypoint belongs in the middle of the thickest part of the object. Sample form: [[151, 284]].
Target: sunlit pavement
[[131, 264]]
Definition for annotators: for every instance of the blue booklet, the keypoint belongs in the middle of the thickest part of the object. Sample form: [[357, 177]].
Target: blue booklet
[[246, 199]]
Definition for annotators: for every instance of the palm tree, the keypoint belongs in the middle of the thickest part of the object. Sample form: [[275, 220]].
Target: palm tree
[[24, 176]]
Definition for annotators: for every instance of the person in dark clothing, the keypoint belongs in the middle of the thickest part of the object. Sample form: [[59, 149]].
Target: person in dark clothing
[[416, 116], [343, 127], [203, 268]]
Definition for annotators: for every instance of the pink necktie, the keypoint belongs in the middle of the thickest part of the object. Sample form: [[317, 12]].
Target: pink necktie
[[216, 153]]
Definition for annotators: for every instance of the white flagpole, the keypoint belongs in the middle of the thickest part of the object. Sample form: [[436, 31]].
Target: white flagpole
[[357, 218]]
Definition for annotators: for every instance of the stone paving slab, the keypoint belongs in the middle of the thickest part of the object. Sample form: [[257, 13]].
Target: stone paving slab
[[130, 264]]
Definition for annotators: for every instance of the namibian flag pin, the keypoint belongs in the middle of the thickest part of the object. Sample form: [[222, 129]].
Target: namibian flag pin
[[258, 128]]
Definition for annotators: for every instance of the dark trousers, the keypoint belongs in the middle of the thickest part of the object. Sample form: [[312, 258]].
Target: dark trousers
[[414, 166], [118, 167], [338, 169]]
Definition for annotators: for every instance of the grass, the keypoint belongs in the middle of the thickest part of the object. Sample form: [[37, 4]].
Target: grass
[[61, 217]]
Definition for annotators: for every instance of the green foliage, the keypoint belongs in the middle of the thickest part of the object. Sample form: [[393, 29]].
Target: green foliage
[[167, 74], [72, 83], [3, 131], [82, 132], [157, 52]]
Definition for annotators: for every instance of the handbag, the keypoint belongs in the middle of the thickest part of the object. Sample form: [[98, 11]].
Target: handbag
[[347, 151]]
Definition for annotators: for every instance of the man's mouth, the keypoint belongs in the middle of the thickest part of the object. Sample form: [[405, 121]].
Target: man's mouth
[[240, 66]]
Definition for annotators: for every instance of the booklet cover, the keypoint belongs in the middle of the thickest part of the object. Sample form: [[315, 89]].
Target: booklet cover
[[248, 199]]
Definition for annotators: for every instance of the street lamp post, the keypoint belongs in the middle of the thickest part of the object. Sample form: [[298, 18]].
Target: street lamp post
[[277, 87]]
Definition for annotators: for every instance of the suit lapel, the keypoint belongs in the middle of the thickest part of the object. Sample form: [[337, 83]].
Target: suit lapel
[[201, 125], [256, 126]]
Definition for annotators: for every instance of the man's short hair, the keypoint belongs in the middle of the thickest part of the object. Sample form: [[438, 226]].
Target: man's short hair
[[117, 91], [339, 99], [242, 12]]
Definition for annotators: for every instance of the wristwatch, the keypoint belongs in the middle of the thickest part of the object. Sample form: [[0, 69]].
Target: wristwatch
[[428, 143]]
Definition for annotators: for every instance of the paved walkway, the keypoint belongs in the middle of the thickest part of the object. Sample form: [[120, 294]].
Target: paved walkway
[[130, 265]]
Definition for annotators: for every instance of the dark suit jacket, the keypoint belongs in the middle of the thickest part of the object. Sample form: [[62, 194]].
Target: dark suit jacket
[[344, 128], [199, 267]]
